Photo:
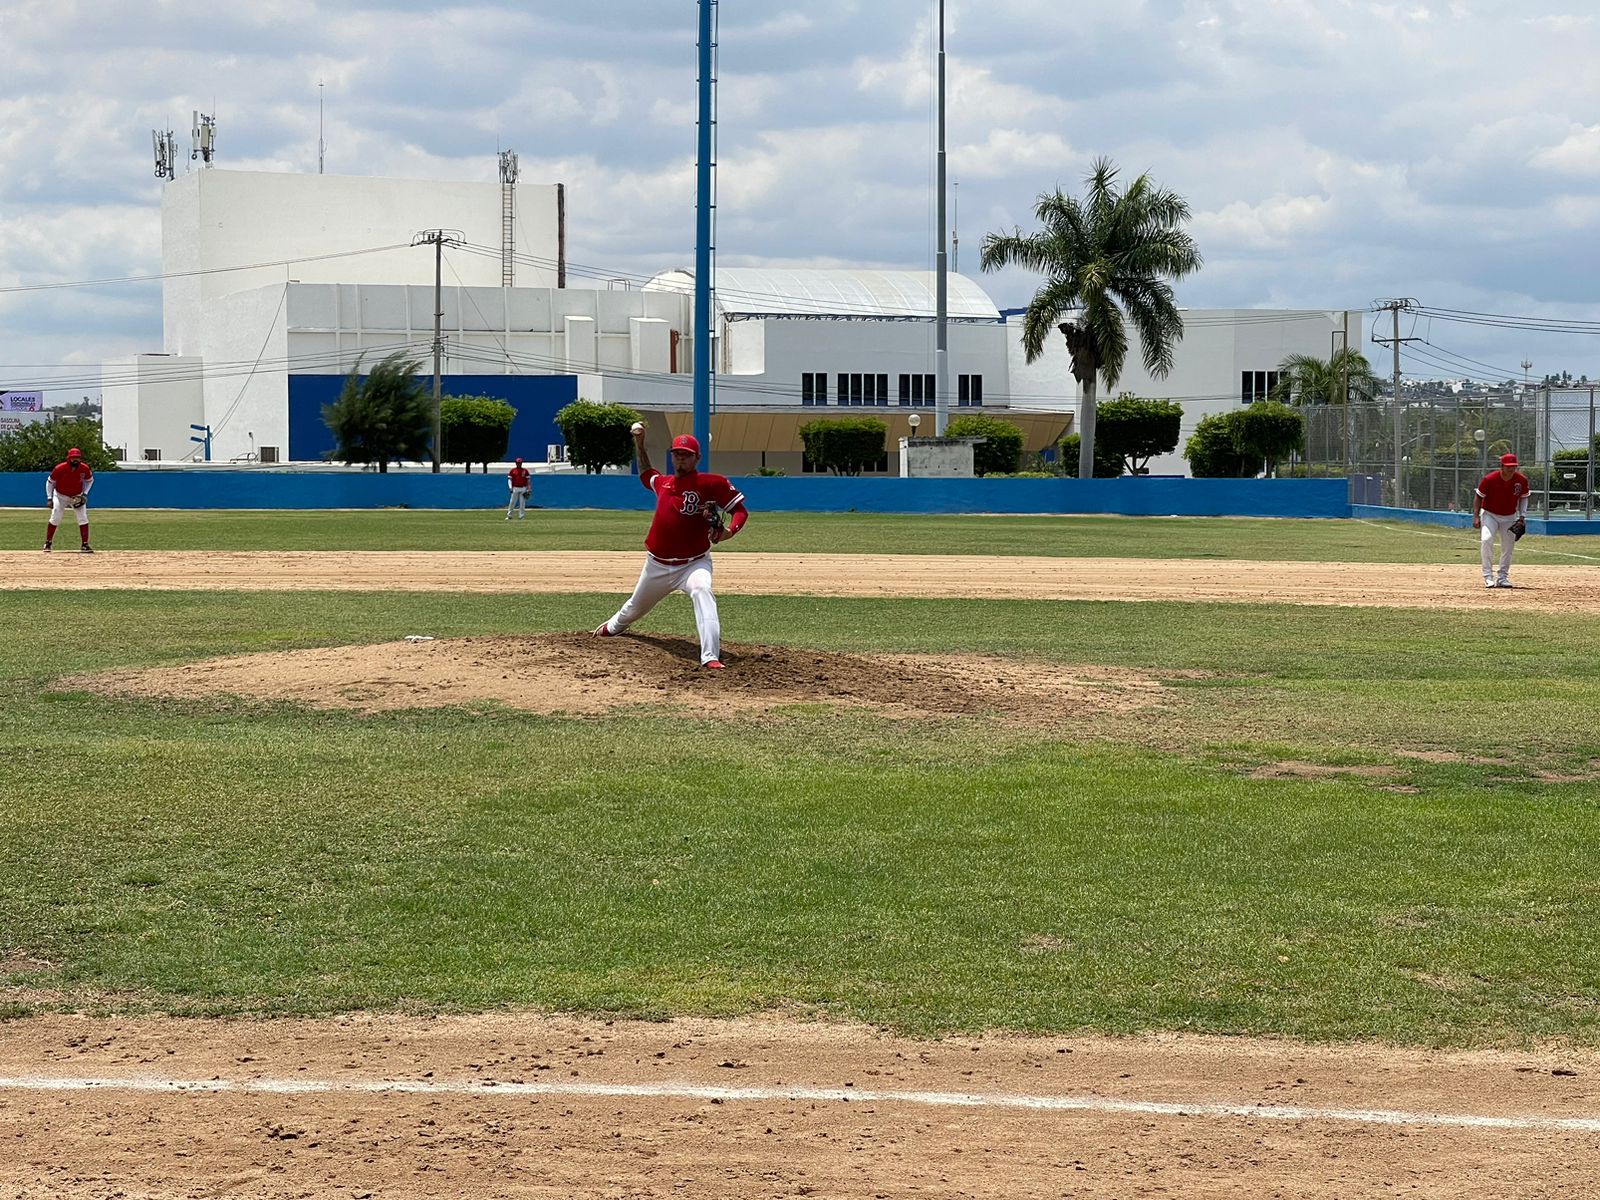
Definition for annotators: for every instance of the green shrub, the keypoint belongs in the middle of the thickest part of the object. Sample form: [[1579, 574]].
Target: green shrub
[[1107, 465], [1213, 453], [1135, 430], [845, 446], [474, 429], [40, 445], [597, 435], [1001, 450]]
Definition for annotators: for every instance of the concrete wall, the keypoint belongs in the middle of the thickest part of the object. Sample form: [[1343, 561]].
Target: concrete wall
[[150, 401], [226, 489], [213, 219]]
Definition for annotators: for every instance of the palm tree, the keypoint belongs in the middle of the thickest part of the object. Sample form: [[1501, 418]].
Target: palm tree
[[1113, 250], [1307, 379]]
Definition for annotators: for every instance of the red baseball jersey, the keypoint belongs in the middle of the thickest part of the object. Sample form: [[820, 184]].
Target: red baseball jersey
[[519, 476], [70, 477], [680, 528], [1501, 495]]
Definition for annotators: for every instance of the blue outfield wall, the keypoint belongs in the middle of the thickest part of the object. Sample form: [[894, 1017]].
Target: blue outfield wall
[[287, 489]]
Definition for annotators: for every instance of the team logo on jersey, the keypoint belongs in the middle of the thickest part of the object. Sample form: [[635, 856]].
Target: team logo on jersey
[[690, 505]]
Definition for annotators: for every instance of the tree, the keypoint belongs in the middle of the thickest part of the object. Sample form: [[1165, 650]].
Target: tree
[[1114, 250], [1306, 379], [1134, 430], [474, 429], [846, 446], [597, 435], [1212, 451], [1267, 432], [1106, 466], [384, 416], [40, 445], [1001, 449]]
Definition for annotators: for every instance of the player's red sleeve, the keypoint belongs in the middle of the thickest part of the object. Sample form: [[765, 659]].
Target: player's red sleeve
[[648, 478], [737, 519]]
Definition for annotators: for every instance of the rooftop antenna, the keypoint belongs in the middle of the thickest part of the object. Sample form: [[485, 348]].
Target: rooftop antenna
[[205, 137], [166, 148], [508, 217], [322, 146]]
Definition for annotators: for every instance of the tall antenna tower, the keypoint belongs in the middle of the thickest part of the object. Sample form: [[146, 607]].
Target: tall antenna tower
[[205, 137], [166, 148], [322, 146], [955, 228], [508, 217]]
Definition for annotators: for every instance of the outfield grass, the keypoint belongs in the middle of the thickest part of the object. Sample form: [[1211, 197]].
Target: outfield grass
[[1118, 875], [839, 533]]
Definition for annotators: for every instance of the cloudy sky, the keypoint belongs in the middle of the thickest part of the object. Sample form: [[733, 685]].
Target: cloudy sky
[[1334, 153]]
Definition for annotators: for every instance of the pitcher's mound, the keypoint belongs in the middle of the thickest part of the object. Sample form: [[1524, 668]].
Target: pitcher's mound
[[567, 673]]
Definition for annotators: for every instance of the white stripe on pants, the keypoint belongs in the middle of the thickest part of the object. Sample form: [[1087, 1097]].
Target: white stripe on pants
[[1494, 523], [657, 581]]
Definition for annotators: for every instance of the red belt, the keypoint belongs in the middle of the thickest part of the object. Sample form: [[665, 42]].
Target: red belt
[[674, 562]]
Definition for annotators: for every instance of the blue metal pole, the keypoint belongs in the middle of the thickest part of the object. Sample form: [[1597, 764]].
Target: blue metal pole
[[703, 341]]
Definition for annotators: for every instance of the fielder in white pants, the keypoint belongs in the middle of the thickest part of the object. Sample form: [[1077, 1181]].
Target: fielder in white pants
[[1500, 501], [518, 504]]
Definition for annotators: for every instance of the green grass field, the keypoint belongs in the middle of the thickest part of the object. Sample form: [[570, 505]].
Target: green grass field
[[1431, 883], [842, 533]]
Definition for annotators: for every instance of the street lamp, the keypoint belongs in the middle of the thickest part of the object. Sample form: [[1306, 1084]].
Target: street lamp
[[914, 420], [1482, 438]]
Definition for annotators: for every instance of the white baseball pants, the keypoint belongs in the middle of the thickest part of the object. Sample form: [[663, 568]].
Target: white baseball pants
[[59, 508], [518, 504], [1494, 523], [659, 580]]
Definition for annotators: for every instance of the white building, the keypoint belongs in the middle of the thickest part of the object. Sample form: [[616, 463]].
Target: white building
[[278, 285], [1228, 357]]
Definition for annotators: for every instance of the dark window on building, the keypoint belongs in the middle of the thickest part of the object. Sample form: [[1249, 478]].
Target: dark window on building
[[813, 387], [916, 391], [269, 454], [969, 393], [1256, 385]]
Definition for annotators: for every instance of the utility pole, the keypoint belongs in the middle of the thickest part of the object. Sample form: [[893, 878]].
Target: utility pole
[[438, 239], [1395, 307]]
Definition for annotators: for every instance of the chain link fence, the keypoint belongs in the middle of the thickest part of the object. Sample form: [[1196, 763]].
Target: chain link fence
[[1447, 444]]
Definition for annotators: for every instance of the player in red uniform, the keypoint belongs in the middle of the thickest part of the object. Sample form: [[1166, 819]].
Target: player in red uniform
[[69, 481], [679, 543], [520, 483], [1501, 499]]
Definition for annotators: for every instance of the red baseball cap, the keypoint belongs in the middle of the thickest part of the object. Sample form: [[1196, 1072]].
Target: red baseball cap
[[519, 462], [74, 453], [1508, 460], [684, 442]]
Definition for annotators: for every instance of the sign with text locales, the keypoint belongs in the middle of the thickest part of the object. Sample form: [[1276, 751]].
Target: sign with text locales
[[21, 401]]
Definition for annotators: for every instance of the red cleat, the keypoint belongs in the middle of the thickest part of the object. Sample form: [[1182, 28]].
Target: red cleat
[[711, 665], [604, 630]]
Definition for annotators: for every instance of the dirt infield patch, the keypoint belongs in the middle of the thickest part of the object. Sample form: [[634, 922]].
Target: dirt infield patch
[[576, 674], [525, 1105], [1557, 589]]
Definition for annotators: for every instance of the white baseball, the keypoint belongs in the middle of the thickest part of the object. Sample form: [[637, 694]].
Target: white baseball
[[638, 427]]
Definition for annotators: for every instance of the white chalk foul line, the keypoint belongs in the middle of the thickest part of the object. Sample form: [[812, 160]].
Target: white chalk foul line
[[690, 1091]]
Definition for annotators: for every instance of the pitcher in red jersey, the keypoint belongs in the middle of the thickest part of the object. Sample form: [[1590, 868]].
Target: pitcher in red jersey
[[678, 546]]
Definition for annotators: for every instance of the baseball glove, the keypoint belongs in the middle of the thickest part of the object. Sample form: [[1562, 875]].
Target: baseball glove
[[716, 517], [1518, 528], [79, 500]]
